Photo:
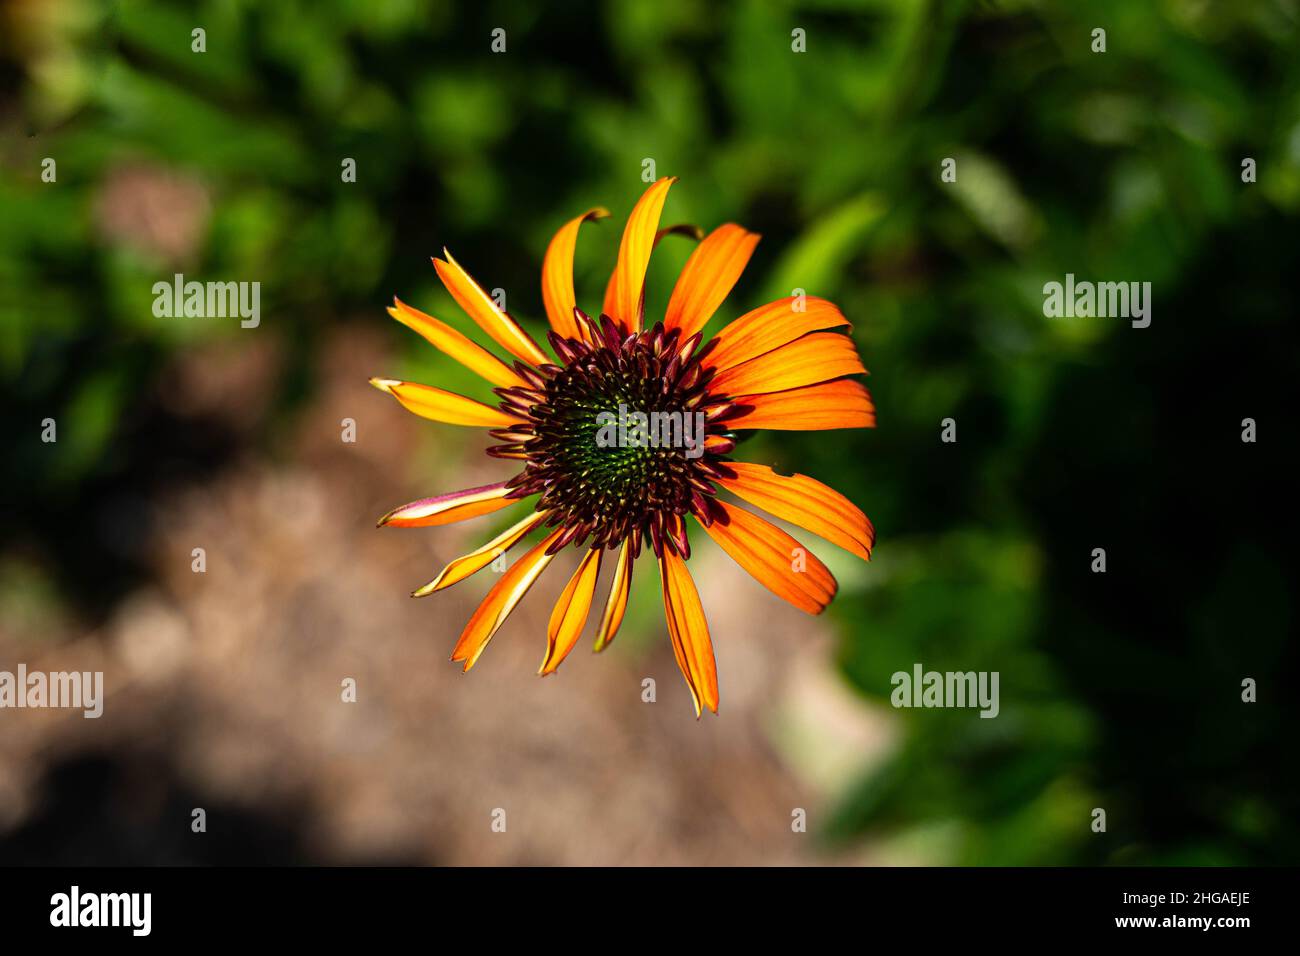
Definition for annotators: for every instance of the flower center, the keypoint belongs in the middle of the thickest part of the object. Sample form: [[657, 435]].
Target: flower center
[[607, 429], [615, 440]]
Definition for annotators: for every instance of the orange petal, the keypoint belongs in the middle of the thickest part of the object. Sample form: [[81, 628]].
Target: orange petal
[[708, 277], [816, 357], [689, 631], [804, 501], [719, 444], [843, 403], [775, 559], [501, 600], [768, 327], [557, 275], [445, 509], [623, 295], [442, 406], [616, 605], [478, 305], [469, 353], [461, 568], [570, 612]]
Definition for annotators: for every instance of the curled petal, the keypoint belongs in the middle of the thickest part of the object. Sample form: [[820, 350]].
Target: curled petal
[[686, 229], [500, 601], [466, 351], [616, 604], [803, 501], [776, 560], [623, 295], [843, 403], [478, 305], [768, 327], [816, 357], [461, 568], [448, 508], [688, 631], [442, 406], [557, 276], [709, 275], [570, 612]]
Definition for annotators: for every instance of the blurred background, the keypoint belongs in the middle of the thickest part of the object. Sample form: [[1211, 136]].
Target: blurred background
[[1119, 691]]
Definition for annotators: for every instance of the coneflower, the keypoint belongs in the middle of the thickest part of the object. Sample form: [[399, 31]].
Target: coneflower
[[785, 365]]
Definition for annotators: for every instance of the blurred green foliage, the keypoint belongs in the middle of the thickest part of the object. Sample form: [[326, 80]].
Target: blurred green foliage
[[1118, 691]]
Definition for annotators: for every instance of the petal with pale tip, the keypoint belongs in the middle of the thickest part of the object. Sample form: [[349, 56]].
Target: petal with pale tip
[[501, 600], [464, 350], [467, 564], [480, 307], [439, 405], [449, 508], [570, 613]]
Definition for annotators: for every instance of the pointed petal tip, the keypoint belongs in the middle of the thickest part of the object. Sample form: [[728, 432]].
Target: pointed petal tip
[[385, 385]]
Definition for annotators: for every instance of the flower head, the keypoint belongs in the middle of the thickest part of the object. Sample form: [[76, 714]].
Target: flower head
[[627, 432]]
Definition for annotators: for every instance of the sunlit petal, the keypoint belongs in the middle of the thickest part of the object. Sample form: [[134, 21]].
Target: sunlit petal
[[816, 357], [478, 305], [461, 568], [689, 631], [445, 509], [501, 600], [624, 294], [438, 405], [803, 501], [709, 275], [557, 275], [770, 326], [466, 351], [616, 605], [570, 613], [776, 560], [843, 403]]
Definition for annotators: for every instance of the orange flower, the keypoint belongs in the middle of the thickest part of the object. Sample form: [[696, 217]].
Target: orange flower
[[628, 431]]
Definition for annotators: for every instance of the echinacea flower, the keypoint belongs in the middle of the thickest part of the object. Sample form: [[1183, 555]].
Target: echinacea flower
[[785, 365]]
